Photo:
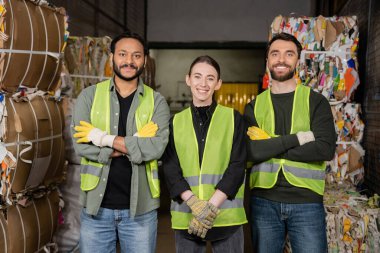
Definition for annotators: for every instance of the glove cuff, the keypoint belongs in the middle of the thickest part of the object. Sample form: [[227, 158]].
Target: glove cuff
[[191, 200], [305, 137], [107, 140]]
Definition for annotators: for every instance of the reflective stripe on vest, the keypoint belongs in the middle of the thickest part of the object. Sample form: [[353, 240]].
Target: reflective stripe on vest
[[307, 175], [100, 118], [216, 157]]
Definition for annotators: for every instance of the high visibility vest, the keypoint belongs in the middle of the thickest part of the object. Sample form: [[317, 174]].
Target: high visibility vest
[[309, 175], [100, 118], [203, 178]]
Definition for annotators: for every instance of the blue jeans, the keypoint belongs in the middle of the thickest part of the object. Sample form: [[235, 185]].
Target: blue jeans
[[304, 224], [99, 233]]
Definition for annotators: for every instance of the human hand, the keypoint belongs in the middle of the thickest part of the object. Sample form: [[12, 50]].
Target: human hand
[[256, 133], [88, 133], [203, 211], [196, 228], [148, 130]]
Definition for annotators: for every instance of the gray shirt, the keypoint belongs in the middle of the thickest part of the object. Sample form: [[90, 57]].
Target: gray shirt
[[139, 149]]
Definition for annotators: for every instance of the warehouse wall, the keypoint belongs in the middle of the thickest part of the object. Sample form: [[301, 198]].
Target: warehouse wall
[[103, 18], [368, 12], [236, 66], [218, 20]]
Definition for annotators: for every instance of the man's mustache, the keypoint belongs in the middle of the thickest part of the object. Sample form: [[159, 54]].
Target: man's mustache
[[128, 65]]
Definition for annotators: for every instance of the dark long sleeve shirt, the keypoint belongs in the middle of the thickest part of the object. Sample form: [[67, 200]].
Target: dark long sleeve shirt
[[287, 145], [233, 176]]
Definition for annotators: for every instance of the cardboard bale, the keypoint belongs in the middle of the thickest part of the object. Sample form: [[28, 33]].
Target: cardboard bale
[[31, 27], [34, 137], [31, 227]]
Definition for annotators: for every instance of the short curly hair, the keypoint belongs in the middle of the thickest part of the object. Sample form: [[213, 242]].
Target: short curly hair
[[132, 35]]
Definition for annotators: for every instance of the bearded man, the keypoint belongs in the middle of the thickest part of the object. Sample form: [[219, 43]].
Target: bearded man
[[290, 135], [121, 128]]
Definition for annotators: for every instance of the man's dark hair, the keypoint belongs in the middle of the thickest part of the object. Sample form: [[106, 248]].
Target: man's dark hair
[[286, 37], [126, 35], [206, 59]]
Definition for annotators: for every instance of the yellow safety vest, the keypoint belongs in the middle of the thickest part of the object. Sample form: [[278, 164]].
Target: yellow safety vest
[[100, 118], [309, 175], [203, 179]]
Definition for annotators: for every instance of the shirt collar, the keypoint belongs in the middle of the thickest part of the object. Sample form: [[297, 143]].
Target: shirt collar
[[210, 110], [140, 86]]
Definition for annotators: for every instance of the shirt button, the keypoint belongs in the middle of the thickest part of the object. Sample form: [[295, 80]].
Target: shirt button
[[104, 179], [116, 113], [101, 195], [200, 124], [203, 139], [115, 127]]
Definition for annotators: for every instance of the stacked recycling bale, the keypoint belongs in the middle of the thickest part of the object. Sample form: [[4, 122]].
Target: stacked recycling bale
[[32, 39], [352, 221], [328, 65]]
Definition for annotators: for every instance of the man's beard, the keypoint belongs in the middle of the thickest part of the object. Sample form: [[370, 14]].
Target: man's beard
[[116, 70], [284, 77]]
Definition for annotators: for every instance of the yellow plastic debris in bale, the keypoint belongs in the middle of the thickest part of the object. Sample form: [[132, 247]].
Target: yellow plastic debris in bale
[[32, 39]]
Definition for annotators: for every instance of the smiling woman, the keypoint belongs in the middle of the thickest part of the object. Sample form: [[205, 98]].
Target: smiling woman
[[203, 79], [204, 166]]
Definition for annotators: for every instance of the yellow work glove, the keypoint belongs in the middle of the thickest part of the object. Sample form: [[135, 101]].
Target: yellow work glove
[[196, 228], [203, 211], [86, 132], [256, 133], [148, 130]]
